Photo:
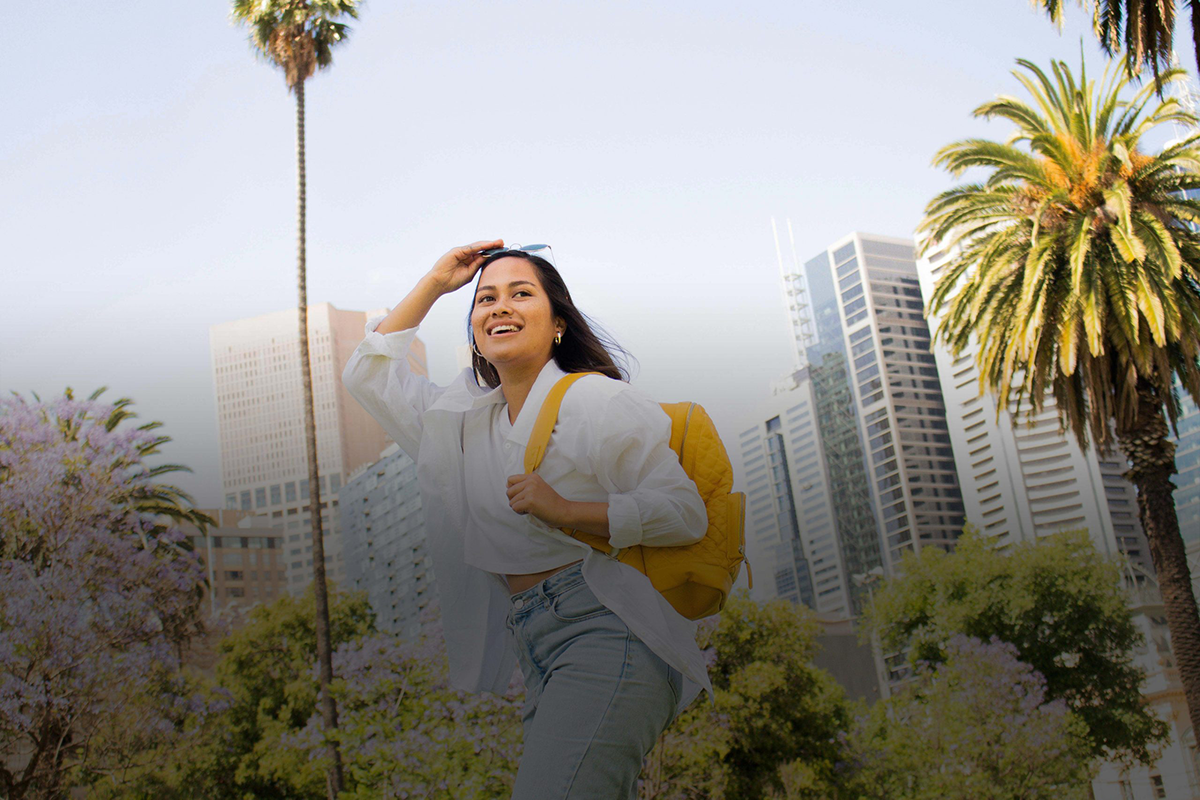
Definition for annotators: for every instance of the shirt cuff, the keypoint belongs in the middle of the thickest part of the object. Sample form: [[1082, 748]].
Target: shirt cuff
[[393, 345], [624, 521]]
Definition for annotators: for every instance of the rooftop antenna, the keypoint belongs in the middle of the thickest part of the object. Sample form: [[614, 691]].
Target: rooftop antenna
[[796, 299]]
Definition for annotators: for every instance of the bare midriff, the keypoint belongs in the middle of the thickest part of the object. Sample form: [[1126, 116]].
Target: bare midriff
[[519, 583]]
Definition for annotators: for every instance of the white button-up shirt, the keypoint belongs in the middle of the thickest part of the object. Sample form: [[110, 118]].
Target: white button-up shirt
[[610, 444]]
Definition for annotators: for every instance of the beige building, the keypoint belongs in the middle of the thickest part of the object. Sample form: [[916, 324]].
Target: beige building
[[1176, 774], [243, 558], [260, 416]]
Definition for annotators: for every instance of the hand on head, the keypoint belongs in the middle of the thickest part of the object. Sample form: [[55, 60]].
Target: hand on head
[[457, 267]]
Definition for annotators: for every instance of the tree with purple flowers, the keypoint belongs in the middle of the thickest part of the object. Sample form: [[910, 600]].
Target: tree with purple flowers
[[977, 725], [1058, 601], [101, 591]]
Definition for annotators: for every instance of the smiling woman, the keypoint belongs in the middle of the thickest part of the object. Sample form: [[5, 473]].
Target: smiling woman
[[608, 662]]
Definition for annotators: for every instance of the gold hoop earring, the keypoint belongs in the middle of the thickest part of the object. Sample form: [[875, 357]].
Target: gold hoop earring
[[558, 338]]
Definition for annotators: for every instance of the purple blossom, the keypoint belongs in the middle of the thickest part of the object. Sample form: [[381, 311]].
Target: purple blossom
[[96, 594]]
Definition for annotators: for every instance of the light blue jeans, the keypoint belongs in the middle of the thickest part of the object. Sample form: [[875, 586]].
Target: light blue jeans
[[596, 697]]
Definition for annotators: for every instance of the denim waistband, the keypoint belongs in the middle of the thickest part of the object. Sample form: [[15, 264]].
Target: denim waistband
[[549, 586]]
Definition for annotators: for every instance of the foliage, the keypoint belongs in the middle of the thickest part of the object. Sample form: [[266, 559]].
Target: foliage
[[1144, 32], [976, 726], [255, 730], [1057, 601], [776, 718], [298, 36], [98, 596], [404, 732], [238, 739], [1076, 273]]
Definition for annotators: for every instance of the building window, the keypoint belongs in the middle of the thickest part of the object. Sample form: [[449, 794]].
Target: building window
[[231, 501], [276, 495], [260, 497], [246, 500], [289, 491]]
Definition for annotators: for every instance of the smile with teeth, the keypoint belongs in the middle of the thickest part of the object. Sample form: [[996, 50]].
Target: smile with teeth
[[503, 330]]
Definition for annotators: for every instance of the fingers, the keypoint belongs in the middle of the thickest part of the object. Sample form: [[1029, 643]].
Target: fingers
[[482, 245]]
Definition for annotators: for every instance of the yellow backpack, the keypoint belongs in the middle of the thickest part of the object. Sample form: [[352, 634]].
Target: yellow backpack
[[695, 578]]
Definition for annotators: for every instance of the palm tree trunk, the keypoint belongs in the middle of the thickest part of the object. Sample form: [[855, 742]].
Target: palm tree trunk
[[1152, 456], [324, 648]]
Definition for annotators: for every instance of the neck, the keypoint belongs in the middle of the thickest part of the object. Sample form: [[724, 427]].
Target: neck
[[516, 380]]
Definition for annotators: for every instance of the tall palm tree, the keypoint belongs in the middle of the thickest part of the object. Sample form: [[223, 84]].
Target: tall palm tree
[[298, 36], [1142, 31], [1076, 267]]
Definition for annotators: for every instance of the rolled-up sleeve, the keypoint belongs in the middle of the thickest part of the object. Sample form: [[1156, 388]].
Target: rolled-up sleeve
[[651, 500], [379, 377]]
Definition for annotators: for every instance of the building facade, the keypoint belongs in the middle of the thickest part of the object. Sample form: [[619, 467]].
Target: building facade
[[859, 425], [243, 557], [1023, 478], [260, 417], [384, 535]]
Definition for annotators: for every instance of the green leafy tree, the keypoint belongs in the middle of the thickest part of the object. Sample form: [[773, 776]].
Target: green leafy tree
[[1143, 32], [777, 719], [1074, 265], [298, 36], [976, 726], [1058, 601], [406, 732], [241, 737]]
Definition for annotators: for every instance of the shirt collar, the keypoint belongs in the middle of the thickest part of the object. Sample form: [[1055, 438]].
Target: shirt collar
[[533, 403], [464, 395]]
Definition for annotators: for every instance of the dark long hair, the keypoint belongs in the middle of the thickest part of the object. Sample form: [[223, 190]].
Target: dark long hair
[[585, 346]]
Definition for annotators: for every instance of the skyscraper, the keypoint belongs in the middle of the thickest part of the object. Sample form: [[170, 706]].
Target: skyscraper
[[1022, 479], [260, 417], [863, 425], [384, 533]]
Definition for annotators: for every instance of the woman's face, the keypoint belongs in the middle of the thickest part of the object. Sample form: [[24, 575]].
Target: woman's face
[[511, 318]]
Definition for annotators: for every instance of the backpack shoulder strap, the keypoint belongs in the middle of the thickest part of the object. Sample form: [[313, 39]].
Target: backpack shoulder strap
[[539, 438]]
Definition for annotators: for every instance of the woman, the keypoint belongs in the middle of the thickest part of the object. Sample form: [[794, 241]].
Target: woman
[[608, 663]]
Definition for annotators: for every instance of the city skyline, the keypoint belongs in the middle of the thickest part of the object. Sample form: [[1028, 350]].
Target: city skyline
[[177, 173]]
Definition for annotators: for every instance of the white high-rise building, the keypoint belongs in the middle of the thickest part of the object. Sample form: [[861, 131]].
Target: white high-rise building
[[260, 417], [384, 532], [790, 527], [856, 437], [1022, 479]]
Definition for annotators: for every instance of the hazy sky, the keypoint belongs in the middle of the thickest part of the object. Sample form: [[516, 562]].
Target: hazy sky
[[147, 174]]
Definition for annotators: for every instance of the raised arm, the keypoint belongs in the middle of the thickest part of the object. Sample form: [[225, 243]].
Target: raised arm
[[377, 374]]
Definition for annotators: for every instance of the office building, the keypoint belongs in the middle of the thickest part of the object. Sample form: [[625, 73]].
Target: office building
[[859, 425], [243, 558], [1023, 477], [384, 534], [1187, 462], [260, 417]]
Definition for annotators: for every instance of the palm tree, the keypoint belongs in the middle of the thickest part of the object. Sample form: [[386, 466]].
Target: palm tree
[[1142, 31], [298, 36], [1076, 267]]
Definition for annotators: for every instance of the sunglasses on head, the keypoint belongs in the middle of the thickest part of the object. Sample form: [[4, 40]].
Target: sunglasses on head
[[528, 248]]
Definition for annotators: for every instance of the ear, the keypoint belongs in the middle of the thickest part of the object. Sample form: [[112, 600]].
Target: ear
[[560, 324]]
